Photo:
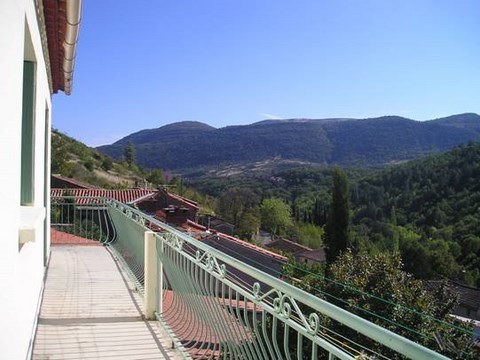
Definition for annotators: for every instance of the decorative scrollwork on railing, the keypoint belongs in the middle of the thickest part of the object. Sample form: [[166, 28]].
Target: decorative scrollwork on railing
[[276, 305], [313, 323], [138, 219], [256, 290], [172, 240], [210, 263], [284, 306]]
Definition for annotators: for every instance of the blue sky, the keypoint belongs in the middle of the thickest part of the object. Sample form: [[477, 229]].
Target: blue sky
[[146, 63]]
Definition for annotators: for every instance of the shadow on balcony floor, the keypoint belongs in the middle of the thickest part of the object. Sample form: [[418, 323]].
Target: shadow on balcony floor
[[91, 311]]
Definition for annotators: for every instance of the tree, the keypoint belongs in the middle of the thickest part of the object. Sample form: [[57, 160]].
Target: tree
[[235, 203], [177, 183], [275, 216], [89, 165], [156, 177], [376, 288], [309, 235], [319, 212], [396, 301], [130, 154], [61, 156], [107, 163], [336, 231], [248, 224]]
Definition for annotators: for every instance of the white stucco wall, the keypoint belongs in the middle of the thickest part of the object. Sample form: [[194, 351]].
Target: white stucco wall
[[21, 271]]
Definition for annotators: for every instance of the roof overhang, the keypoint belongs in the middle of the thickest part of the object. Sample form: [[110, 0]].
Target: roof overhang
[[61, 19]]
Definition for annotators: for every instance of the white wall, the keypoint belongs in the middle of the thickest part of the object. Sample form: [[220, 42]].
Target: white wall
[[21, 271]]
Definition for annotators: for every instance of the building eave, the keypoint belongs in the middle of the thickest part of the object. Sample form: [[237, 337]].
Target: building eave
[[44, 38], [61, 21]]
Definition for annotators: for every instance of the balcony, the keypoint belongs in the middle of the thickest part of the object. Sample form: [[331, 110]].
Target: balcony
[[139, 288]]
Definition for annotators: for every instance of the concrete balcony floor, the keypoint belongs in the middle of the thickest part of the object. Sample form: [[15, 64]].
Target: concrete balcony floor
[[91, 311]]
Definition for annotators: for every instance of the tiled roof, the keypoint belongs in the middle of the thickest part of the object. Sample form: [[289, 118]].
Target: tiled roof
[[125, 196], [70, 183], [194, 227], [469, 297], [315, 255], [249, 254], [215, 221], [299, 251], [233, 239], [152, 193], [227, 240], [182, 199], [253, 255], [287, 245]]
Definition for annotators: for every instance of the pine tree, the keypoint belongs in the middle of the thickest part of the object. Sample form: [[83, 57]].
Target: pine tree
[[129, 153], [336, 231]]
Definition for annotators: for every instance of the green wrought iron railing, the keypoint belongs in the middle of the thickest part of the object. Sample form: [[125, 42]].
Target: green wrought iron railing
[[217, 307], [82, 217]]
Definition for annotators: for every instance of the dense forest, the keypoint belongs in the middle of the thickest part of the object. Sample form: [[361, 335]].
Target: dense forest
[[427, 210]]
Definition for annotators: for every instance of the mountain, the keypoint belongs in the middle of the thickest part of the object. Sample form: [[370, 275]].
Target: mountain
[[357, 142], [185, 130]]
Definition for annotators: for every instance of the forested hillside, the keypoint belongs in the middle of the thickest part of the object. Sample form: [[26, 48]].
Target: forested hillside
[[430, 210], [347, 142], [74, 159], [427, 209]]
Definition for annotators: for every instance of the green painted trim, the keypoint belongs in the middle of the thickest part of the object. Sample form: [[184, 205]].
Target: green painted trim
[[27, 177]]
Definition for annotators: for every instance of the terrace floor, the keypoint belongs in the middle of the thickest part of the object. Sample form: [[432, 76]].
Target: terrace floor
[[90, 310]]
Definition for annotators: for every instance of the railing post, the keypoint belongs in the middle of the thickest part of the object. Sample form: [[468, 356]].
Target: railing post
[[160, 283], [150, 275]]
